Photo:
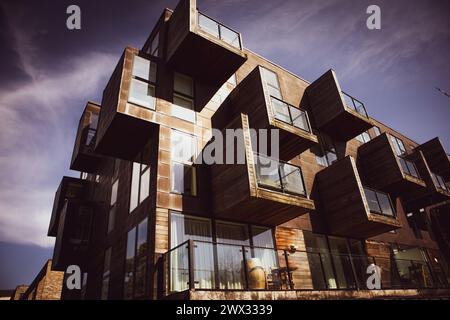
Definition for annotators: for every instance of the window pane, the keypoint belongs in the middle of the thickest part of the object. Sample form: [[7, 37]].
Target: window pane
[[292, 179], [208, 25], [145, 185], [232, 233], [230, 37], [144, 69], [183, 179], [377, 131], [262, 237], [366, 137], [111, 218], [114, 188], [299, 119], [267, 172], [270, 77], [142, 237], [142, 94], [232, 79], [184, 146], [181, 108], [185, 227], [281, 110], [372, 201], [154, 46], [412, 169], [93, 121], [129, 264], [183, 84], [134, 194], [385, 204], [107, 262]]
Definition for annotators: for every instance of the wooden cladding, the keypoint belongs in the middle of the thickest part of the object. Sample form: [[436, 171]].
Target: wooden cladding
[[83, 157], [436, 157], [237, 195], [252, 98], [345, 205], [69, 188], [124, 128], [382, 169], [194, 51], [330, 112]]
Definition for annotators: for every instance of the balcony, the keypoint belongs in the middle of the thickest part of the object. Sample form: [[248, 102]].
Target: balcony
[[436, 157], [385, 170], [264, 111], [71, 189], [222, 267], [84, 158], [436, 190], [127, 118], [259, 189], [334, 111], [351, 209], [202, 47], [74, 231]]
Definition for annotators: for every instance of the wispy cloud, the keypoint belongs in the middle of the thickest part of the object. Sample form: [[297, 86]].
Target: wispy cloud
[[37, 124]]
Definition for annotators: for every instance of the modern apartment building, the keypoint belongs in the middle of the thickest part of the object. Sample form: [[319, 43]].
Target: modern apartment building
[[345, 195]]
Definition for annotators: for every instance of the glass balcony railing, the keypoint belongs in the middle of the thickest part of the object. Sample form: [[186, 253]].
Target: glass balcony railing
[[219, 31], [354, 104], [279, 176], [289, 114], [205, 265], [439, 182], [408, 167], [379, 202]]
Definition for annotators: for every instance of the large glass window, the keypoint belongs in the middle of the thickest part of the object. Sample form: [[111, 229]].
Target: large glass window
[[143, 82], [183, 228], [183, 97], [184, 150], [218, 264], [136, 261], [413, 267], [106, 274], [271, 80], [140, 184]]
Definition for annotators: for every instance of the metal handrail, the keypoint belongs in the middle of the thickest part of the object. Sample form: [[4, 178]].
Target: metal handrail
[[279, 163], [220, 24], [353, 99], [395, 279]]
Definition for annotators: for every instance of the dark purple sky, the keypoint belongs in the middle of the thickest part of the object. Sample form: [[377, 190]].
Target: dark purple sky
[[47, 73]]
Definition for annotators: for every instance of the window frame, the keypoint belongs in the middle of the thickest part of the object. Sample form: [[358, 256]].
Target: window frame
[[135, 258], [143, 168], [148, 82], [184, 163]]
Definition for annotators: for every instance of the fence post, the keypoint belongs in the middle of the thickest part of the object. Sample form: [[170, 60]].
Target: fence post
[[191, 263]]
